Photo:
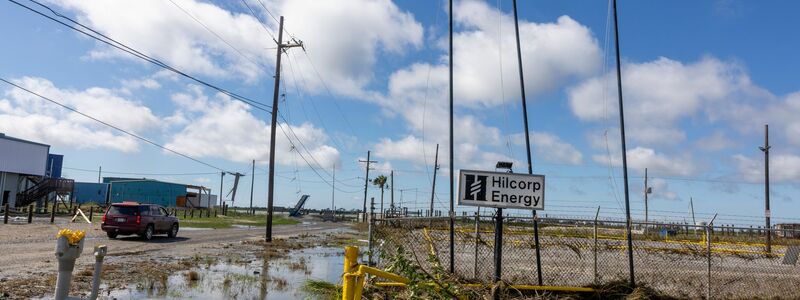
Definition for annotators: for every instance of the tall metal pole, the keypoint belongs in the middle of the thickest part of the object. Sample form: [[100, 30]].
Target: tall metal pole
[[527, 142], [221, 177], [435, 168], [275, 94], [624, 150], [645, 196], [452, 180], [366, 185], [391, 187], [333, 193], [691, 207], [252, 184], [767, 213], [99, 174]]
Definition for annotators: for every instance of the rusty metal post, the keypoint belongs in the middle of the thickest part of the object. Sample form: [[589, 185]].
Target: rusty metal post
[[30, 213], [5, 214], [53, 214], [91, 213]]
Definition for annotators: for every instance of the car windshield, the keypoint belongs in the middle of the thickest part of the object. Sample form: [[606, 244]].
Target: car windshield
[[123, 210]]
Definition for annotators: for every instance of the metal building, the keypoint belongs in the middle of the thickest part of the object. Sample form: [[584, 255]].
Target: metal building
[[144, 190], [24, 176], [86, 192]]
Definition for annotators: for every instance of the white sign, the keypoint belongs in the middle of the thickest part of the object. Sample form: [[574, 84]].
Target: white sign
[[504, 190]]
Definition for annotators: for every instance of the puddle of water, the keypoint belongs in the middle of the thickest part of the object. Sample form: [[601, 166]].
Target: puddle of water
[[280, 278]]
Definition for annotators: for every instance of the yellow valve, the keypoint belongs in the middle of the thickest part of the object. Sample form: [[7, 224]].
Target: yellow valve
[[73, 236]]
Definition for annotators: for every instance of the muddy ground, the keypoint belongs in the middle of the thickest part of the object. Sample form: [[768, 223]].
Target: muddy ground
[[28, 265]]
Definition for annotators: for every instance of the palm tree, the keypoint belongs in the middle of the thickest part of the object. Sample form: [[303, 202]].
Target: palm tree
[[381, 182]]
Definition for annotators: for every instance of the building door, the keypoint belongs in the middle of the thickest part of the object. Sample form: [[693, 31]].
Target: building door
[[6, 194]]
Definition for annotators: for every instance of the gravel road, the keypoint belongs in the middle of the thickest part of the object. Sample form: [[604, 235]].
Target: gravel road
[[28, 249]]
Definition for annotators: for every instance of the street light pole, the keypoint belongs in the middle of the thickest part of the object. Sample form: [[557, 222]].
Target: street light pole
[[767, 213]]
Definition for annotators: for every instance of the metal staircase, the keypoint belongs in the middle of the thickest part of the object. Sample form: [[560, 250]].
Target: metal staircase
[[43, 187]]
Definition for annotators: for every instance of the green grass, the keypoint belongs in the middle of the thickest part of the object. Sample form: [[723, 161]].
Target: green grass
[[229, 221], [322, 289]]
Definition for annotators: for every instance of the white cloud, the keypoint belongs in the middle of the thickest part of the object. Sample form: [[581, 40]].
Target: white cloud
[[30, 117], [640, 158], [551, 53], [223, 128], [660, 93], [161, 30], [550, 148], [715, 142], [345, 39], [661, 190], [783, 168]]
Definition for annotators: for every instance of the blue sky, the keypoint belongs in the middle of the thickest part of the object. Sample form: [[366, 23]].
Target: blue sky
[[700, 80]]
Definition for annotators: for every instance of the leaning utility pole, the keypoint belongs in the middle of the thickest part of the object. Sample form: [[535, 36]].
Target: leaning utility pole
[[435, 168], [366, 185], [767, 213], [252, 184], [527, 147], [271, 181], [624, 150]]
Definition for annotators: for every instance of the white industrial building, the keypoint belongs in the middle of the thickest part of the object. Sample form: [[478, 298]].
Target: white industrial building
[[18, 160]]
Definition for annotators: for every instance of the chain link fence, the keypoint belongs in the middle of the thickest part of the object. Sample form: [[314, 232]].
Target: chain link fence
[[678, 260]]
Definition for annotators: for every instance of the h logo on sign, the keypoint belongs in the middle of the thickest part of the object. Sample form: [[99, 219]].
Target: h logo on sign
[[475, 188]]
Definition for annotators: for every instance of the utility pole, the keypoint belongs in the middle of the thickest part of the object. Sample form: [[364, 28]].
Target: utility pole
[[435, 169], [767, 213], [691, 207], [646, 191], [99, 174], [221, 201], [235, 185], [366, 185], [333, 193], [624, 150], [452, 165], [527, 145], [271, 181], [252, 184], [391, 187]]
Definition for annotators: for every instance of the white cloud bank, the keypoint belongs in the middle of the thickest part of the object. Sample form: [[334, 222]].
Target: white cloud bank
[[27, 116]]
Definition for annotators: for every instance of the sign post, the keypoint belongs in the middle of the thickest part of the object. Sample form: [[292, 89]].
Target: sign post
[[500, 190]]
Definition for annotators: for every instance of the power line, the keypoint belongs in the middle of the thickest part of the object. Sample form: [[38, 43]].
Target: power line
[[215, 34], [142, 174], [109, 125], [253, 13], [120, 46]]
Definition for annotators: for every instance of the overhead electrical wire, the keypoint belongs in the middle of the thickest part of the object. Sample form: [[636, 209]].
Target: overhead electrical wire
[[109, 125], [125, 48], [141, 173], [219, 37]]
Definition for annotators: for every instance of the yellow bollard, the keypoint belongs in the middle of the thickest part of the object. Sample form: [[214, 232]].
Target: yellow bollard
[[350, 265]]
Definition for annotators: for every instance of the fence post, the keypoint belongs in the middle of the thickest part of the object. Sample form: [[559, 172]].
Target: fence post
[[498, 245], [595, 244], [371, 225], [184, 213], [708, 257], [5, 214], [477, 242], [30, 213], [191, 213], [91, 212], [52, 214]]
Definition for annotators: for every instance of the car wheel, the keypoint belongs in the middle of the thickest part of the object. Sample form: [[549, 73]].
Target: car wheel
[[174, 231], [111, 234], [148, 233]]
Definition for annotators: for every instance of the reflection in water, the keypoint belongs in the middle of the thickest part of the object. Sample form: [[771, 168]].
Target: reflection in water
[[280, 278]]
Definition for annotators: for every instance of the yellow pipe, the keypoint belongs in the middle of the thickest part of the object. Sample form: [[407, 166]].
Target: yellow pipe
[[362, 269], [515, 287], [348, 280]]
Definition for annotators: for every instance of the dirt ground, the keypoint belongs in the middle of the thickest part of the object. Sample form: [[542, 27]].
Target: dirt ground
[[28, 265]]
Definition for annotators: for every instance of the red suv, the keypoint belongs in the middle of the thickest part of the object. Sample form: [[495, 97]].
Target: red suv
[[128, 218]]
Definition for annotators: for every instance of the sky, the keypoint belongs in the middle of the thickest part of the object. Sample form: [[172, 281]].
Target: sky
[[700, 80]]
